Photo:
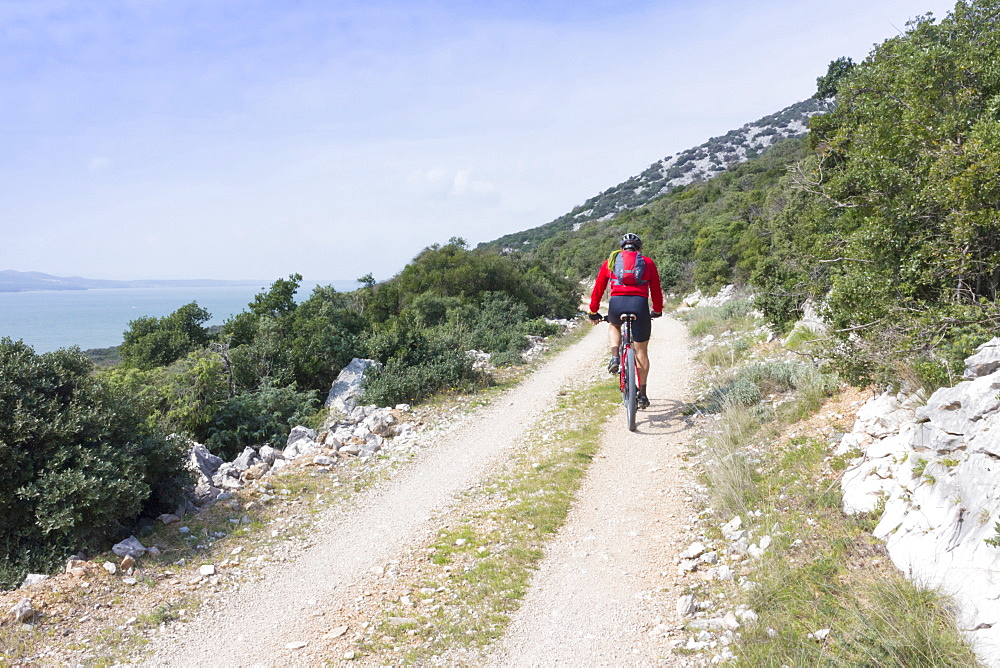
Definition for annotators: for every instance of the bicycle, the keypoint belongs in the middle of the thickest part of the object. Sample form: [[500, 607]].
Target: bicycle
[[628, 370]]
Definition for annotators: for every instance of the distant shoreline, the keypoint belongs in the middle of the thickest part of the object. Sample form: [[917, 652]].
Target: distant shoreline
[[126, 285], [32, 281]]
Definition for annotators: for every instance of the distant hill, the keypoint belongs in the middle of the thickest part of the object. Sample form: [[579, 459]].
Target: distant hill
[[700, 163], [26, 281]]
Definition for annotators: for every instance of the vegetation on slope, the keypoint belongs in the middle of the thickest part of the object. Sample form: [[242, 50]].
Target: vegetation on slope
[[887, 216], [89, 447]]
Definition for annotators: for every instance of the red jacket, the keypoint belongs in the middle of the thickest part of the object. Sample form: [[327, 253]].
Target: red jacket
[[650, 290]]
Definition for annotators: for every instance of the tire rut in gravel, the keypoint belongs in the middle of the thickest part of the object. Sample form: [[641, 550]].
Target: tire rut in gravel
[[606, 592]]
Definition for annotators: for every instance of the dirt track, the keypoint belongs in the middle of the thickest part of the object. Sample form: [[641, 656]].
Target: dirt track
[[607, 580]]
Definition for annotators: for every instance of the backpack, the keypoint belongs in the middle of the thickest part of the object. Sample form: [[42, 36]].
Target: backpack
[[627, 268]]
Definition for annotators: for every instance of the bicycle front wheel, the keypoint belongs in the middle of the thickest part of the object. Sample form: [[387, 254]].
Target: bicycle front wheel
[[630, 393]]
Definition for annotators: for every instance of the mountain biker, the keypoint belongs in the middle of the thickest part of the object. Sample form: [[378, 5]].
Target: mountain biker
[[629, 294]]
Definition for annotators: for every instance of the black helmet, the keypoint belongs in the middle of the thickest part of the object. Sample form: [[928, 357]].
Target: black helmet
[[631, 240]]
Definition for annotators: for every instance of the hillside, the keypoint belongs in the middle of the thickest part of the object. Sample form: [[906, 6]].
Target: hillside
[[697, 164]]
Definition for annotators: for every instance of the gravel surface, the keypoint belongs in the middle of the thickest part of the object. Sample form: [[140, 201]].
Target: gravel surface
[[287, 618], [607, 590]]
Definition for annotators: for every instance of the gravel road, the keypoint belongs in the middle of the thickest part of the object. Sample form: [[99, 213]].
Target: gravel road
[[602, 585], [253, 626], [606, 592]]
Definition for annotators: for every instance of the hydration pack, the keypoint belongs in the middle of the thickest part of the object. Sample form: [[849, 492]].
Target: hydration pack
[[627, 268]]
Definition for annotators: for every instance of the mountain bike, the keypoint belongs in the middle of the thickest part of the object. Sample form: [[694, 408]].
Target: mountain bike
[[628, 370]]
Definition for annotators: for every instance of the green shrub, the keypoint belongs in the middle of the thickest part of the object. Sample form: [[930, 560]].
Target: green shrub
[[401, 382], [254, 418], [703, 320], [504, 359], [737, 308], [80, 459], [152, 342], [754, 382]]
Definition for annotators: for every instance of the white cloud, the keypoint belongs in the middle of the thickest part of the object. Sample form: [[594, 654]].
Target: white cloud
[[440, 183], [99, 163]]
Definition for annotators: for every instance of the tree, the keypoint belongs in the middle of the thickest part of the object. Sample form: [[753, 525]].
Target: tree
[[279, 300], [151, 342], [908, 162], [826, 85]]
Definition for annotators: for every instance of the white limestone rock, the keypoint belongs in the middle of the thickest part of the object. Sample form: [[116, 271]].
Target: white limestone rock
[[22, 612], [203, 461], [32, 579], [246, 459], [985, 361], [343, 393]]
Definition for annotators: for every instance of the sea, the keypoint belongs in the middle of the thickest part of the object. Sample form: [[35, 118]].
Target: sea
[[51, 319]]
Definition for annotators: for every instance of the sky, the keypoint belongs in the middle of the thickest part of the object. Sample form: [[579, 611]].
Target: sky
[[253, 139]]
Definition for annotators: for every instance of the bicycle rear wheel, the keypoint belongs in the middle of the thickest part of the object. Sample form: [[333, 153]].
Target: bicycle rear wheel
[[630, 393]]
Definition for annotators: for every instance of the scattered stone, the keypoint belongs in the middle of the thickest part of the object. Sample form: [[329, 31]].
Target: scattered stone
[[131, 547], [21, 613], [349, 655], [206, 570], [710, 624], [169, 518], [268, 454], [985, 361], [730, 529], [686, 605], [687, 566], [693, 551], [203, 461], [110, 567], [33, 578], [819, 635], [337, 632], [127, 562], [399, 621], [298, 644], [130, 581], [246, 459], [323, 460], [256, 472]]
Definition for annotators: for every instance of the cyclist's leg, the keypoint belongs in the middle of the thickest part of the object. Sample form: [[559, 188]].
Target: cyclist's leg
[[614, 338], [614, 331], [642, 328], [642, 361]]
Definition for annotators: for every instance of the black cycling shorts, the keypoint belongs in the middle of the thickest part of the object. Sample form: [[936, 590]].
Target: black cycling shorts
[[643, 325]]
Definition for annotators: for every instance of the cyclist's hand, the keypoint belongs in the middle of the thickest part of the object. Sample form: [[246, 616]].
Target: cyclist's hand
[[656, 314], [595, 318]]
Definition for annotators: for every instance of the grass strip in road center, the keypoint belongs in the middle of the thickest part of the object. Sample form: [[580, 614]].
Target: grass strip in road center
[[466, 584]]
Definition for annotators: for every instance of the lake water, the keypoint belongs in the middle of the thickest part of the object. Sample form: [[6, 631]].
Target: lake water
[[51, 319]]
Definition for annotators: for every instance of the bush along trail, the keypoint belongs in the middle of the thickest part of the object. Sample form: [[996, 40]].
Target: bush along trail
[[779, 574]]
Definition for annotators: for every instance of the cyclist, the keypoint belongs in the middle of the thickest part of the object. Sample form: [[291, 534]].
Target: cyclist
[[634, 280]]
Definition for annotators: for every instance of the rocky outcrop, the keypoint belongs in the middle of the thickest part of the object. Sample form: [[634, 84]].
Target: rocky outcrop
[[696, 299], [934, 471], [347, 387]]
